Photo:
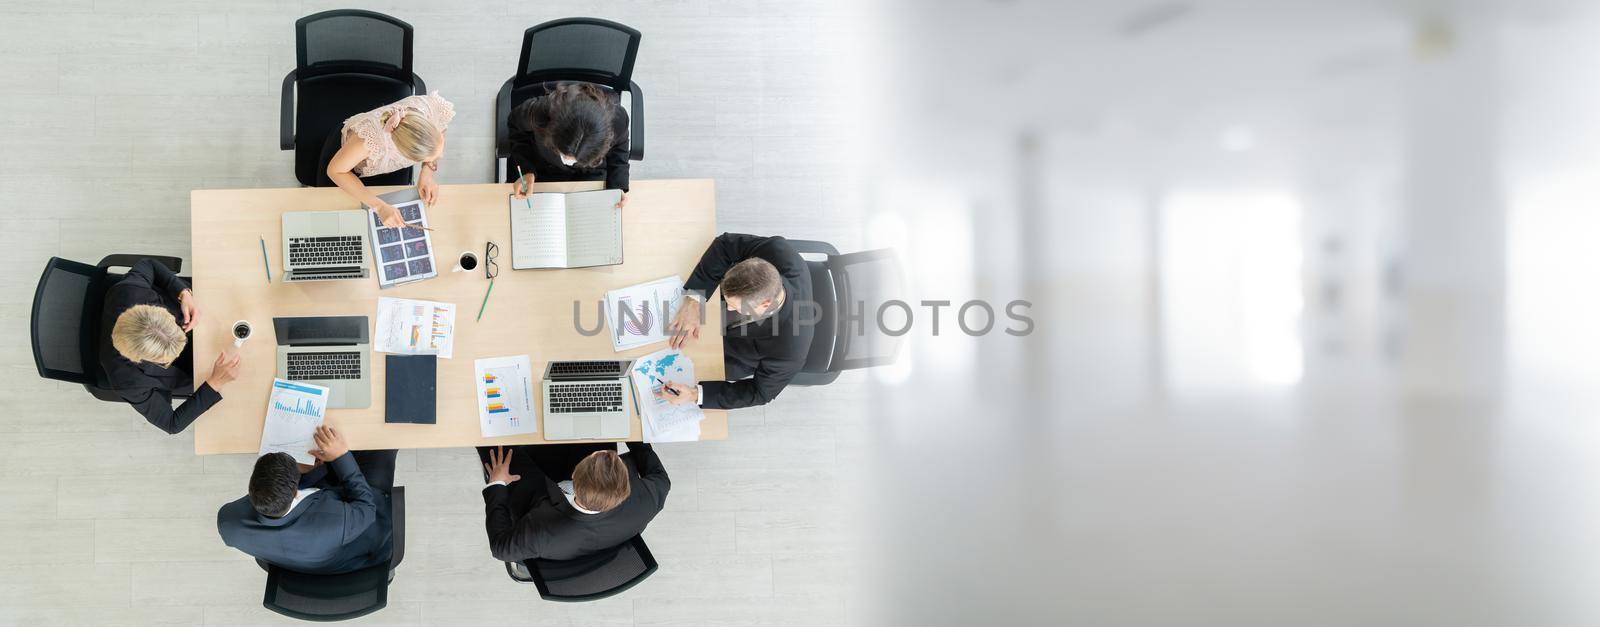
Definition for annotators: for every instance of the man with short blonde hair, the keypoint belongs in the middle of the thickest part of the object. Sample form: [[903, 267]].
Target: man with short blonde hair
[[533, 511], [600, 482]]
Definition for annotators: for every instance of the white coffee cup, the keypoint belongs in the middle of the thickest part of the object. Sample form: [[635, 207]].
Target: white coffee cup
[[241, 332], [467, 262]]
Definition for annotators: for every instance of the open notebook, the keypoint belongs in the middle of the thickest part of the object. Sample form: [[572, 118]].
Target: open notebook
[[570, 230]]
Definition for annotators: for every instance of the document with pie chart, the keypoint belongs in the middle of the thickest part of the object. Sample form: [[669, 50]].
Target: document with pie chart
[[638, 315]]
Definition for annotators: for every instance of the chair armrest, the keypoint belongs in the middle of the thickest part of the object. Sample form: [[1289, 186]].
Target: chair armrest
[[418, 86], [126, 261], [635, 123], [813, 246], [397, 524], [286, 113]]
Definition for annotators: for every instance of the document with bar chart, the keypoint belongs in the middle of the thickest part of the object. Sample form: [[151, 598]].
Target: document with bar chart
[[415, 327], [294, 411], [505, 396]]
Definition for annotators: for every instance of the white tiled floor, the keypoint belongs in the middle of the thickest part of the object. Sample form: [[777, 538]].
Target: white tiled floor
[[112, 111]]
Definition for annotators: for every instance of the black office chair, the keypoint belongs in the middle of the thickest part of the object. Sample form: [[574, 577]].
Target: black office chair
[[571, 49], [588, 578], [344, 596], [848, 339], [347, 61], [65, 323]]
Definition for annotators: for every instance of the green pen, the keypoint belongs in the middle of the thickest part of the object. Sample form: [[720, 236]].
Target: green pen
[[485, 300], [519, 187]]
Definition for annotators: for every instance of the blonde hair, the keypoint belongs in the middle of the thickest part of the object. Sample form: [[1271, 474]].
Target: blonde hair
[[416, 137], [148, 333], [600, 481]]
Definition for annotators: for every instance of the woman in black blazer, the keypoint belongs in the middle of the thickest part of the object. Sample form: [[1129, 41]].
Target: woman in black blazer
[[145, 352], [572, 132]]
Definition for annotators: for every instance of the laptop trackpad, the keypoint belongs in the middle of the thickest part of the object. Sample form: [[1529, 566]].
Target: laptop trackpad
[[586, 427]]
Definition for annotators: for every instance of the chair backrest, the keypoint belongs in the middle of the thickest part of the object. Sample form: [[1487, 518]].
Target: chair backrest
[[327, 597], [593, 577], [65, 320], [864, 281], [342, 596], [579, 48], [820, 356], [345, 40]]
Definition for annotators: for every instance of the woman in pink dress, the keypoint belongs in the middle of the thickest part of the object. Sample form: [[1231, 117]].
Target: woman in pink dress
[[389, 138]]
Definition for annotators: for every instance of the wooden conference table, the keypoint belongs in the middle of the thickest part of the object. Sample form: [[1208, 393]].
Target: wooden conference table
[[666, 227]]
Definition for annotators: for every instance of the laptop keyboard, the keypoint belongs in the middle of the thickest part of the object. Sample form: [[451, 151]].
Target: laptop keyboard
[[579, 398], [321, 251], [313, 366]]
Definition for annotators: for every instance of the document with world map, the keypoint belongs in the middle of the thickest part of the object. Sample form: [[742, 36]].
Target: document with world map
[[662, 421]]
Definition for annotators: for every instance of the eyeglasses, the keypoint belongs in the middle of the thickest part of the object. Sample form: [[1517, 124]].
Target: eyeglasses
[[490, 268]]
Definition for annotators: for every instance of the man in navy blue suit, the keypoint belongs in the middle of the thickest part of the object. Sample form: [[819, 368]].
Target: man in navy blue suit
[[332, 519]]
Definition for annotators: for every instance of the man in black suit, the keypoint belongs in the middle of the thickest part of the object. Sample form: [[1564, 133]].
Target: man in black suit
[[145, 352], [766, 289], [609, 499], [323, 522]]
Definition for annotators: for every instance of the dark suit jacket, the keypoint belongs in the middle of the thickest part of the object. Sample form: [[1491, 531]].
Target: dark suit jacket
[[342, 528], [146, 386], [534, 158], [778, 343], [553, 529]]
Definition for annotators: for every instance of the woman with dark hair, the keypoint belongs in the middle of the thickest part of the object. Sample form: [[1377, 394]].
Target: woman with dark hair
[[572, 132]]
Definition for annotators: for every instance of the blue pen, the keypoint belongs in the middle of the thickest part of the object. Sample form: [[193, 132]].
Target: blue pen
[[519, 184], [265, 265]]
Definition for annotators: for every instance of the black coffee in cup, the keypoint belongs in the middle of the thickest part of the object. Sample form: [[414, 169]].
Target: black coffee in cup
[[468, 261], [241, 329]]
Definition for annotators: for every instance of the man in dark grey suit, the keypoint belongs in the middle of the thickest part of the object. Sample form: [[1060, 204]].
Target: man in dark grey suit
[[609, 499], [333, 519], [767, 330]]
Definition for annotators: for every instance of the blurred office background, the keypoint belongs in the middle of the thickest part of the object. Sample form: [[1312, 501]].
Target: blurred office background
[[1316, 326]]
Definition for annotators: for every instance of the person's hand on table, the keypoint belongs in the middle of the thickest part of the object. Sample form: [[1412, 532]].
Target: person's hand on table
[[191, 311], [224, 371], [330, 444], [427, 188], [677, 393], [499, 466], [521, 187], [686, 325]]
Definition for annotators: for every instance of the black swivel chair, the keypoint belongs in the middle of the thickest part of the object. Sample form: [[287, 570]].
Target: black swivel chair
[[588, 578], [65, 323], [344, 596], [862, 282], [347, 61], [571, 49]]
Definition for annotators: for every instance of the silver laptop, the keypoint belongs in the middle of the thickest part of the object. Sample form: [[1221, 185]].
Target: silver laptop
[[586, 400], [330, 351], [324, 245]]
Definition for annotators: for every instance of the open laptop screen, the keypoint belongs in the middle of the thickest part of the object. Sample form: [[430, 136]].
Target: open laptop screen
[[320, 330]]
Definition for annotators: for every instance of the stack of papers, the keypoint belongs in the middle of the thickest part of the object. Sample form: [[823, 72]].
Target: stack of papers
[[662, 421], [639, 314], [294, 411], [415, 327]]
